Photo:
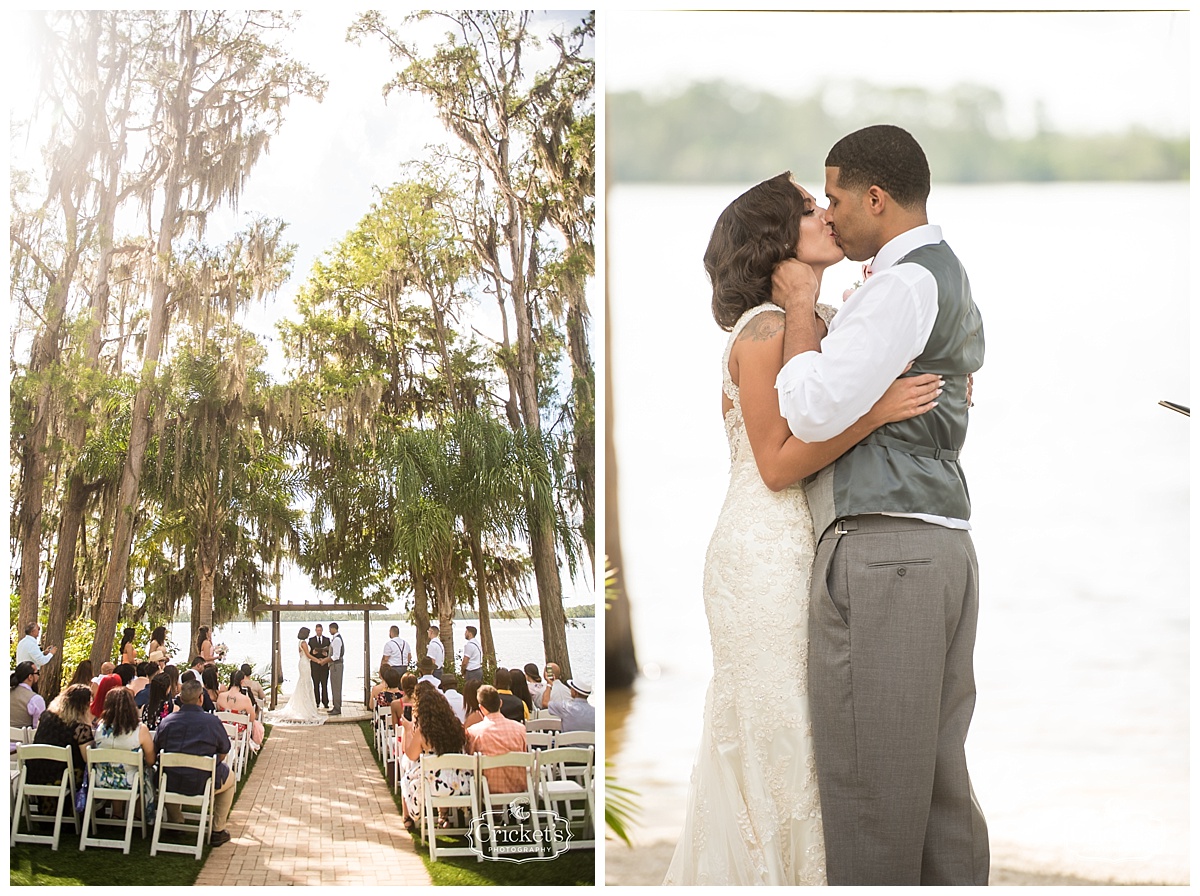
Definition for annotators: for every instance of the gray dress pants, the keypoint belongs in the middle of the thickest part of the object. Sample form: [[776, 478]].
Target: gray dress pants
[[892, 616], [335, 684]]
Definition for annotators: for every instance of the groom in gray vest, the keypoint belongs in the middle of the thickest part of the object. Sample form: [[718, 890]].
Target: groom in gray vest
[[894, 596]]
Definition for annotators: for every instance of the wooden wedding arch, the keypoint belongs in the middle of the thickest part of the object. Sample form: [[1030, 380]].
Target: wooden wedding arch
[[322, 610]]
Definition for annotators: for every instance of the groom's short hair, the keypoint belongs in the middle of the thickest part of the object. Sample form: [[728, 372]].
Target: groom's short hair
[[885, 156], [333, 627]]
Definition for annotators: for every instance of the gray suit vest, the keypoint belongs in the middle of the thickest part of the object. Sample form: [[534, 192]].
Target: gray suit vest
[[912, 466]]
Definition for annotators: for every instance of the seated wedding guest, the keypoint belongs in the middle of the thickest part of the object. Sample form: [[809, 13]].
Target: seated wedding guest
[[533, 680], [197, 665], [205, 701], [212, 685], [121, 729], [511, 705], [83, 675], [128, 650], [495, 735], [520, 688], [554, 688], [453, 697], [436, 730], [159, 702], [388, 688], [138, 687], [25, 704], [251, 684], [192, 730], [576, 713], [106, 668], [67, 722], [403, 708], [426, 669], [471, 711], [235, 699], [106, 684], [158, 643], [128, 673]]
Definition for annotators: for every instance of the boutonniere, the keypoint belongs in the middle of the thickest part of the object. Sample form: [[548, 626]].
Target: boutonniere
[[866, 275]]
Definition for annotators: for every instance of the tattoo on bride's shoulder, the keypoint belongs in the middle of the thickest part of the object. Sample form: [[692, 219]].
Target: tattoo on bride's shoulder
[[763, 327]]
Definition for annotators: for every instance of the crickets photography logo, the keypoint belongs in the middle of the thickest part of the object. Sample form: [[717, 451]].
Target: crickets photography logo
[[519, 833]]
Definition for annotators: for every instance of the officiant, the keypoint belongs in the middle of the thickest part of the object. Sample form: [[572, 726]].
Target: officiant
[[319, 645]]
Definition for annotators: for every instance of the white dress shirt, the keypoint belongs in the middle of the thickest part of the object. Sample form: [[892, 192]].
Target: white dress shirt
[[436, 651], [882, 327], [29, 652], [396, 651], [336, 647], [473, 654]]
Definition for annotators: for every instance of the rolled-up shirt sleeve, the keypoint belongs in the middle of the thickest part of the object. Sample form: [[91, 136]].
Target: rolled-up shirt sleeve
[[882, 327]]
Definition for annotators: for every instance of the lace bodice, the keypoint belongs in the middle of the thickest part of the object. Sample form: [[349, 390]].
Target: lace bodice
[[735, 427], [754, 814]]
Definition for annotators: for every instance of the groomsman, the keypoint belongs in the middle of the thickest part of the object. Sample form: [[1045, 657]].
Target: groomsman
[[472, 661], [436, 651], [337, 653]]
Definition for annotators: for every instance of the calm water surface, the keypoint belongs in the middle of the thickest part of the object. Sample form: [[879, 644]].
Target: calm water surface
[[1080, 483]]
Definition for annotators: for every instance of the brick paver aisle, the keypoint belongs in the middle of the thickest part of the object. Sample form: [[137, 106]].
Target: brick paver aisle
[[316, 811]]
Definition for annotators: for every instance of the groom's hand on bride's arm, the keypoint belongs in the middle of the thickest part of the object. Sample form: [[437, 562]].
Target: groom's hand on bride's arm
[[794, 287]]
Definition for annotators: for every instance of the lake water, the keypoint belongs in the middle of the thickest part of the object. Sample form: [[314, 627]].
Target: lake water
[[517, 642], [1080, 743]]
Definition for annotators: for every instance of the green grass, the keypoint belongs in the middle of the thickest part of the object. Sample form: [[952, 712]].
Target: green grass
[[34, 865], [573, 868]]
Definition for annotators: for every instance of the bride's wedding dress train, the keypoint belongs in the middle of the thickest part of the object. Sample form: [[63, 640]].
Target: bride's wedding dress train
[[301, 709], [753, 810]]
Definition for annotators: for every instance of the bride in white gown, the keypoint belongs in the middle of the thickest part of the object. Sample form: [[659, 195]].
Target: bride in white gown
[[753, 810], [301, 708]]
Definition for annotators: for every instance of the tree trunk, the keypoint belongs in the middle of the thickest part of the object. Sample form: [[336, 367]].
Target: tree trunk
[[584, 432], [207, 550], [486, 642], [421, 612], [74, 505], [620, 661], [139, 422]]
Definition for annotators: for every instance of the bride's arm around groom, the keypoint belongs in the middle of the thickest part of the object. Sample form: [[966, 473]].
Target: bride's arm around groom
[[894, 597]]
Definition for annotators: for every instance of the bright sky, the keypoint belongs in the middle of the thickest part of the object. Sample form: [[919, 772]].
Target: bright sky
[[1094, 71]]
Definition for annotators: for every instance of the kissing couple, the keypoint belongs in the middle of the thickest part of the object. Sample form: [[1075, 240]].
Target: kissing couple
[[834, 752]]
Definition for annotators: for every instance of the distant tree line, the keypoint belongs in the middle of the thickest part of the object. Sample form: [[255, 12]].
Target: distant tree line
[[716, 132]]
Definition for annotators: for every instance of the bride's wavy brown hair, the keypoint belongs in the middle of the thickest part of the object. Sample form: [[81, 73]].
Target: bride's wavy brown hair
[[755, 232]]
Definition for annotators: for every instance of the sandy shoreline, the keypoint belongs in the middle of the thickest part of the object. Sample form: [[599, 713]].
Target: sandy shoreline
[[647, 863]]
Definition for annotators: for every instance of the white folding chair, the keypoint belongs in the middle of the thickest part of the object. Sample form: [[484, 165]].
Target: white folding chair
[[575, 739], [131, 796], [235, 747], [466, 802], [21, 735], [539, 740], [564, 778], [389, 748], [200, 805], [239, 737], [63, 791], [545, 723], [504, 809]]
